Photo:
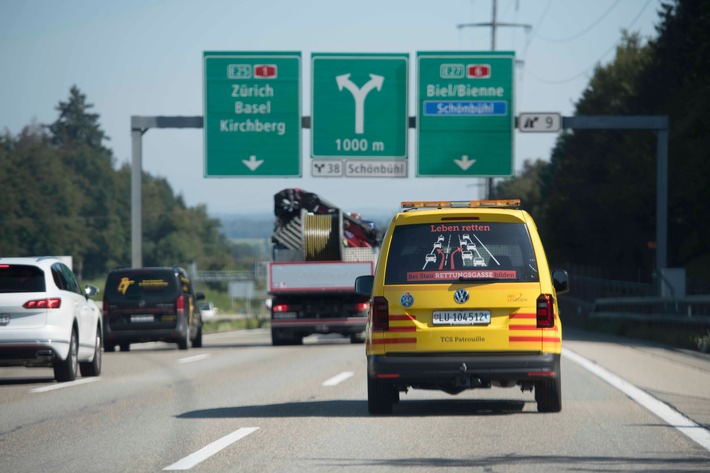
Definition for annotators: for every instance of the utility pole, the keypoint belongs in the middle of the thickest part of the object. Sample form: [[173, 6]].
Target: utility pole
[[493, 25]]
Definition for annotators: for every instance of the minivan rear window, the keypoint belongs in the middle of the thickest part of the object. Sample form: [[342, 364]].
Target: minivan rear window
[[460, 251], [140, 284], [21, 278]]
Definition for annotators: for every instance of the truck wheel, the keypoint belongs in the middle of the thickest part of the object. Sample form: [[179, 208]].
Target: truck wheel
[[280, 338], [548, 394], [380, 397], [357, 337]]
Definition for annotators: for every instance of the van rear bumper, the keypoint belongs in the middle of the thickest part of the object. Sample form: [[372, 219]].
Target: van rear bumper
[[430, 369]]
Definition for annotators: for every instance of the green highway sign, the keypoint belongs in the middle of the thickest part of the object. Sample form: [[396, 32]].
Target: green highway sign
[[465, 113], [359, 106], [252, 114]]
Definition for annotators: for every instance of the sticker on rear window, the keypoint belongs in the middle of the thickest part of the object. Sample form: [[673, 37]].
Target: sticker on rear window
[[124, 285], [455, 275], [153, 283]]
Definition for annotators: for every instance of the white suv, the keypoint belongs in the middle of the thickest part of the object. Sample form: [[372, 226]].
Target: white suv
[[46, 320]]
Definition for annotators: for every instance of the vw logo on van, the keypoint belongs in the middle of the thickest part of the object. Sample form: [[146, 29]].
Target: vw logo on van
[[461, 296]]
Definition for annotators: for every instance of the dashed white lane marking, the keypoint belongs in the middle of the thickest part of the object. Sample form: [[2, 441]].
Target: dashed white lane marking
[[215, 447], [64, 385], [191, 359], [337, 379], [695, 432]]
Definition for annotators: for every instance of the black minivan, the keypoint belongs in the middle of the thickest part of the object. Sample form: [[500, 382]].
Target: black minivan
[[150, 305]]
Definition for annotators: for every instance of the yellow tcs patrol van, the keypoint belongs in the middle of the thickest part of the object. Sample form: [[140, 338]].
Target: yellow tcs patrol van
[[463, 298]]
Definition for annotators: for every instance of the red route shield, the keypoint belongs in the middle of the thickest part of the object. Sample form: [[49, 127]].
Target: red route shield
[[265, 71], [478, 71]]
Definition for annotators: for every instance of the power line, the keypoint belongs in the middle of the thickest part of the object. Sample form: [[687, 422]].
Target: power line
[[589, 68], [583, 32]]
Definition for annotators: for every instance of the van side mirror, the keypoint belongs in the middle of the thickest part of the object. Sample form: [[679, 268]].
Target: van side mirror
[[363, 285], [560, 281]]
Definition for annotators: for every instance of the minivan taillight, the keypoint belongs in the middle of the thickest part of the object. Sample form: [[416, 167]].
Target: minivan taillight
[[380, 314], [362, 306], [48, 303], [180, 305], [545, 311]]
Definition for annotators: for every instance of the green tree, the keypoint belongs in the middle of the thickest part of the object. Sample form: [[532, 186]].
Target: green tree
[[62, 196]]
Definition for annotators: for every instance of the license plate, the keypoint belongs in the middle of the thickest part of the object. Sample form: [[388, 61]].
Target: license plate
[[461, 317], [142, 318]]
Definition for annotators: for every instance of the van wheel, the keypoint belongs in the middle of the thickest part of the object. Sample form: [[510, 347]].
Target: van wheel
[[548, 394], [65, 370], [197, 342], [182, 342], [380, 397], [93, 367]]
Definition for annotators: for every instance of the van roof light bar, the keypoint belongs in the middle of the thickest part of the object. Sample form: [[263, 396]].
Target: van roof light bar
[[448, 204]]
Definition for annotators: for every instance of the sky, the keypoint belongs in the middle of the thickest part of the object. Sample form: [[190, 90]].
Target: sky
[[145, 58]]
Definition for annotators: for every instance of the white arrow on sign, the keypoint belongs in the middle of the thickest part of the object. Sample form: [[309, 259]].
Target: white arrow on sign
[[252, 163], [464, 163], [359, 94]]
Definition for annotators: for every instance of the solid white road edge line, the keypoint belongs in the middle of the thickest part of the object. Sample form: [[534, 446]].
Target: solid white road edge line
[[695, 432], [204, 453], [337, 379], [64, 385], [191, 359]]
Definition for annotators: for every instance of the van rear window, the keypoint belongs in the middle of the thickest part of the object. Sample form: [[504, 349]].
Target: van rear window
[[140, 284], [451, 251]]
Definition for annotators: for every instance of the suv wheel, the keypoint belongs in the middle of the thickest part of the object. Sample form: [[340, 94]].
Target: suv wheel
[[380, 397], [548, 394], [65, 370], [93, 367]]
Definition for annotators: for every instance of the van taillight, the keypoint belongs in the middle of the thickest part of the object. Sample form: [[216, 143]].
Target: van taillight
[[49, 303], [380, 313], [545, 311], [180, 305]]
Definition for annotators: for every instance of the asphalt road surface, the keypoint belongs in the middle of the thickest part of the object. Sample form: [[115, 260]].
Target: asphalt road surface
[[239, 404]]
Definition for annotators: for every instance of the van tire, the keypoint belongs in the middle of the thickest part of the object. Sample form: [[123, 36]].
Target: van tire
[[197, 342], [380, 397], [182, 342], [548, 394]]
